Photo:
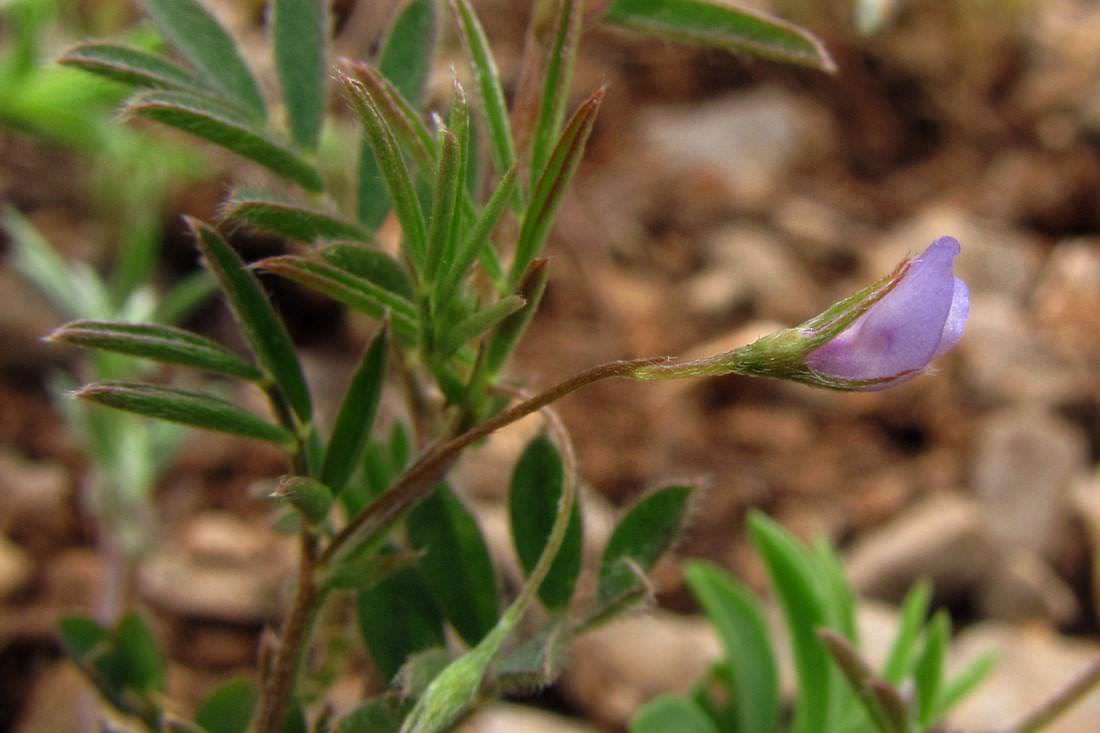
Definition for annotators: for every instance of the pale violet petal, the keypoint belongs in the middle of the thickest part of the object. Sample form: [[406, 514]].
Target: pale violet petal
[[901, 333]]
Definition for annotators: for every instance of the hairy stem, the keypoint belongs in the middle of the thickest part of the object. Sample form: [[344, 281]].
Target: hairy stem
[[420, 478], [277, 686]]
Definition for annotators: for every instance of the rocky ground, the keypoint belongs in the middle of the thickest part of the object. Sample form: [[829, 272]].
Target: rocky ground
[[721, 196]]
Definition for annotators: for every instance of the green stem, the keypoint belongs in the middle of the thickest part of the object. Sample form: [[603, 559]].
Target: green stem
[[561, 520]]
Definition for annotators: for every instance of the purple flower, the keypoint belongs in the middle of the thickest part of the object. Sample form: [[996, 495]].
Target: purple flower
[[919, 313], [884, 335]]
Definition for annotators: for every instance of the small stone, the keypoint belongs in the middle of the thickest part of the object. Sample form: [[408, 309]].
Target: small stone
[[37, 504], [508, 718], [16, 568], [924, 542], [1086, 502], [1025, 462], [1033, 664], [76, 579], [214, 646], [994, 259], [22, 328], [219, 568], [1006, 359], [1023, 587], [821, 231], [751, 266], [222, 539], [619, 667], [1067, 298], [58, 702], [748, 140]]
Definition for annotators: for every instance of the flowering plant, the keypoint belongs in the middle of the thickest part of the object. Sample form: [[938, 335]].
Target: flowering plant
[[373, 511]]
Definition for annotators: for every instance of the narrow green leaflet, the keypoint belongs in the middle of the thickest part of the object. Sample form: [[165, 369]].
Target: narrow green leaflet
[[550, 189], [228, 709], [160, 343], [400, 114], [137, 654], [263, 329], [669, 713], [405, 61], [132, 66], [356, 417], [182, 406], [448, 183], [406, 58], [269, 212], [648, 530], [400, 446], [299, 31], [91, 646], [557, 82], [725, 24], [835, 590], [222, 125], [207, 45], [455, 563], [488, 81], [372, 201], [414, 138], [82, 636], [461, 125], [792, 579], [966, 681], [508, 334], [339, 284], [395, 174], [739, 620], [537, 484], [929, 670], [478, 323], [371, 264], [397, 618], [904, 649], [479, 235]]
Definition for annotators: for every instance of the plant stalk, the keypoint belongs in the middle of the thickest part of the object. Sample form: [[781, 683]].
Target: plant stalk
[[277, 687], [420, 478], [1061, 703]]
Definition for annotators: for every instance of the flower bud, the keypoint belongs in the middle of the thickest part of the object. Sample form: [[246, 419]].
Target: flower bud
[[882, 336]]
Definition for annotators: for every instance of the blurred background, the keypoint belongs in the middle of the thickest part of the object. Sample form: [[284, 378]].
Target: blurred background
[[721, 197]]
